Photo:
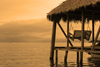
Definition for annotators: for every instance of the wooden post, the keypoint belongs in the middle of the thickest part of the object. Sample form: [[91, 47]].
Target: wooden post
[[97, 35], [67, 30], [93, 44], [51, 63], [53, 41], [56, 56], [82, 38], [66, 55], [77, 57]]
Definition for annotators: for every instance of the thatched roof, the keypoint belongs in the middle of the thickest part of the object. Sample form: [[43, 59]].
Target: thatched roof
[[74, 7]]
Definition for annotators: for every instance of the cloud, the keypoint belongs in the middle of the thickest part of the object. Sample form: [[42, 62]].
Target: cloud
[[35, 30], [26, 31], [36, 25]]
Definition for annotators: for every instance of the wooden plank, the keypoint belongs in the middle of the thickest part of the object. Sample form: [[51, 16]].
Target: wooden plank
[[53, 41], [77, 34], [86, 48], [64, 34], [78, 50]]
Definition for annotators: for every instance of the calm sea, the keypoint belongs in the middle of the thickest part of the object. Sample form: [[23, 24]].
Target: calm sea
[[37, 55]]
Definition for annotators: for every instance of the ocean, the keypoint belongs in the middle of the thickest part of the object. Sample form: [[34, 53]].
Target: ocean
[[37, 55]]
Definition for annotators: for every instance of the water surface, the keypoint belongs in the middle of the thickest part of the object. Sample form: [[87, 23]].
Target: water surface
[[37, 55]]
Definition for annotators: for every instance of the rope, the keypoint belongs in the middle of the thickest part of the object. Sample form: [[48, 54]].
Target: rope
[[88, 27], [71, 27], [88, 24]]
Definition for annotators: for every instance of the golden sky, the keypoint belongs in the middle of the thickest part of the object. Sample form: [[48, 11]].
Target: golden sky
[[25, 21], [26, 9], [37, 30]]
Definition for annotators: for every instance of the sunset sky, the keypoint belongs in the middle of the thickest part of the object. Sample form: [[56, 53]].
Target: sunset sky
[[25, 21], [26, 9]]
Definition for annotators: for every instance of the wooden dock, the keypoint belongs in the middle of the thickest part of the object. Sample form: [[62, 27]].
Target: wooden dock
[[78, 49], [79, 13]]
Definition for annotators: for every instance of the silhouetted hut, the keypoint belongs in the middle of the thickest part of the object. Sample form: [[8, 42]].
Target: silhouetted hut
[[74, 10]]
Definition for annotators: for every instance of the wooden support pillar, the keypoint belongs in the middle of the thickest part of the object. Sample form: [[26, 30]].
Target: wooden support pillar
[[97, 35], [82, 38], [51, 63], [66, 55], [56, 56], [67, 30], [77, 57], [53, 41], [93, 44]]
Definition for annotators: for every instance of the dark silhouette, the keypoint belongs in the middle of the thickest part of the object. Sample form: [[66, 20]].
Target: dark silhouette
[[74, 10]]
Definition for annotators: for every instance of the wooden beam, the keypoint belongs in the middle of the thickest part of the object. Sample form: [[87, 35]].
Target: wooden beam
[[89, 10], [67, 30], [93, 44], [66, 54], [86, 48], [97, 35], [64, 34], [93, 10], [53, 41], [77, 57], [82, 38], [84, 15], [56, 56], [78, 50]]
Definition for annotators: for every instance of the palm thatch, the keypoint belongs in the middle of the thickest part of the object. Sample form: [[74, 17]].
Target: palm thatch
[[74, 8]]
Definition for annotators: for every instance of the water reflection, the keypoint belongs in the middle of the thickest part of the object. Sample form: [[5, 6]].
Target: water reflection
[[51, 63], [69, 64], [94, 62]]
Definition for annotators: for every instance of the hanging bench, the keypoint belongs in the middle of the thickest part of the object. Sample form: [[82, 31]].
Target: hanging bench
[[77, 35]]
